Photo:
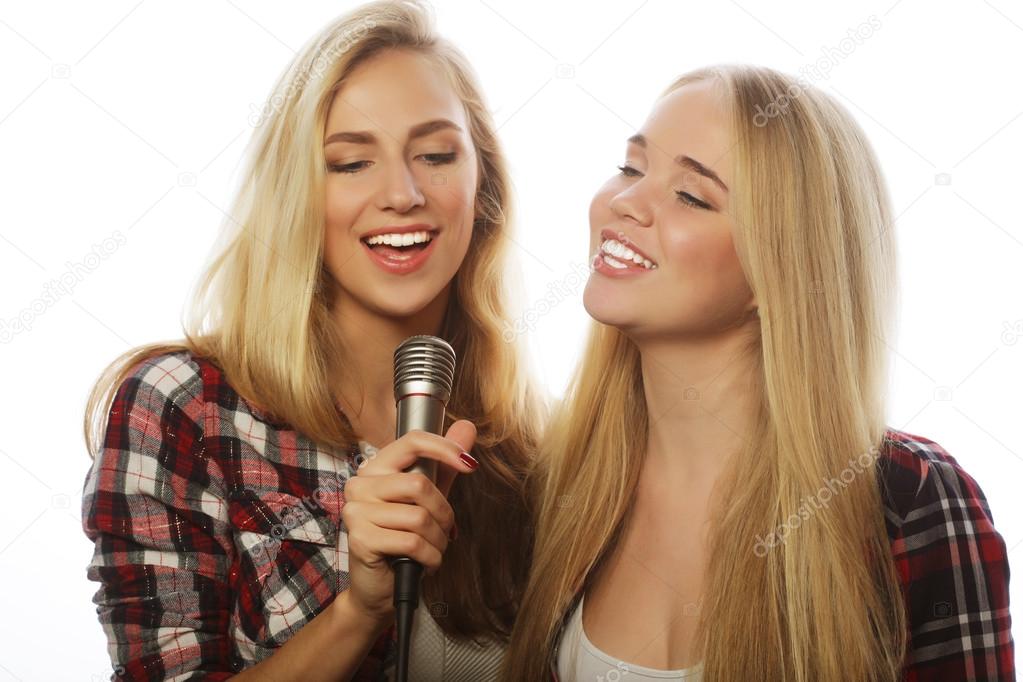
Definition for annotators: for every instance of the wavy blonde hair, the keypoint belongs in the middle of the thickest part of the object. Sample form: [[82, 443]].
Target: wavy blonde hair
[[812, 230], [261, 311]]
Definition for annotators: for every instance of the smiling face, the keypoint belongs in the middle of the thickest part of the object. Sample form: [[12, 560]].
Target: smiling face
[[669, 204], [400, 162]]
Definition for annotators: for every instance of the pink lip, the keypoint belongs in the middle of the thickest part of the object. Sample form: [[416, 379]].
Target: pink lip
[[600, 265], [403, 266]]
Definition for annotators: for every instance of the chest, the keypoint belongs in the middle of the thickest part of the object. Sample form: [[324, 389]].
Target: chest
[[644, 601]]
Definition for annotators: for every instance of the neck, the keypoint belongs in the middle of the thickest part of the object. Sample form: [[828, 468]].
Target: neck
[[364, 380], [699, 398]]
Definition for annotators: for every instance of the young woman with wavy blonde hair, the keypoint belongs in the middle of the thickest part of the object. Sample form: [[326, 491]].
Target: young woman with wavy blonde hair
[[234, 533], [719, 496]]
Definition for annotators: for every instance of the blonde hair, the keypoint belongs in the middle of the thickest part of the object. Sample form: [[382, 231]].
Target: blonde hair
[[261, 310], [812, 230]]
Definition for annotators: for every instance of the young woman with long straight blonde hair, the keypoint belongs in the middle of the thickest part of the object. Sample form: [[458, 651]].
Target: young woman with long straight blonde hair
[[247, 488], [719, 496]]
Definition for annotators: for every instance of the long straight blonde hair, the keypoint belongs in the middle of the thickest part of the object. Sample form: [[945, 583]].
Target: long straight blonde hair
[[262, 308], [812, 230]]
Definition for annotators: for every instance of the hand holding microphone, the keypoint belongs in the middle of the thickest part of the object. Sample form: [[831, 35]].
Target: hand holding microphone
[[390, 512], [401, 523]]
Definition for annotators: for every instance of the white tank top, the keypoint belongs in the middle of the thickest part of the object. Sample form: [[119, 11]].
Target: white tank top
[[580, 661], [436, 657]]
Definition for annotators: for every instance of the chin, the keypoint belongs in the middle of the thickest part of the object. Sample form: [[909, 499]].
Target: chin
[[605, 310], [405, 309]]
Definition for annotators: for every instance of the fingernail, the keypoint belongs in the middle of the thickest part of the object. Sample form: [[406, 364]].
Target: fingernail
[[454, 531], [469, 460]]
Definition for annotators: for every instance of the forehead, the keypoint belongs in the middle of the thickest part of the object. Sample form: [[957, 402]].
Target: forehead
[[692, 120], [393, 90]]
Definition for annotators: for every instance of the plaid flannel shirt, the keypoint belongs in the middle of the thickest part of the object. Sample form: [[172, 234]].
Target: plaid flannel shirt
[[217, 531], [952, 564], [218, 535]]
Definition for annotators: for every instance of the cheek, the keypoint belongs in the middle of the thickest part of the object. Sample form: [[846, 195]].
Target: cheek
[[691, 251], [701, 247], [340, 214], [726, 260], [336, 249], [453, 203], [453, 200], [339, 210], [709, 267]]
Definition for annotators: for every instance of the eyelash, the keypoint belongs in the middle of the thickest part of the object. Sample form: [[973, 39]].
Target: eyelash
[[350, 168], [684, 197]]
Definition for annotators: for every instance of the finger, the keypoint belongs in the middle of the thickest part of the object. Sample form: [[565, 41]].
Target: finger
[[462, 432], [377, 545], [403, 453], [409, 488], [409, 518]]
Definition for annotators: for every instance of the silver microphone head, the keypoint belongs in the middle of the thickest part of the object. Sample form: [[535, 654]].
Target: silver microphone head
[[424, 364]]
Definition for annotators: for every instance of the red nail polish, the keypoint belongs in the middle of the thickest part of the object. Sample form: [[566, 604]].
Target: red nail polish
[[454, 531], [469, 460]]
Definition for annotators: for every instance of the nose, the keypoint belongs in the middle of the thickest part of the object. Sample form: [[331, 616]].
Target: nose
[[634, 203], [399, 189]]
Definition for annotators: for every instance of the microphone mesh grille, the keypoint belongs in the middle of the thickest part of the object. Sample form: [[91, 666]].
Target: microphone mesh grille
[[424, 358]]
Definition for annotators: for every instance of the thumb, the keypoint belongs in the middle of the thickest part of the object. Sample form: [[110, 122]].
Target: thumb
[[462, 432]]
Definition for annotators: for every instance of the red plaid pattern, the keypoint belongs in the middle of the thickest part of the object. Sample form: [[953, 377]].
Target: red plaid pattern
[[952, 563], [217, 531], [218, 535]]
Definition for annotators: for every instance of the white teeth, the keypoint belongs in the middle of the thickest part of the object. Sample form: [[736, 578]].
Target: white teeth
[[404, 239], [613, 263], [624, 253]]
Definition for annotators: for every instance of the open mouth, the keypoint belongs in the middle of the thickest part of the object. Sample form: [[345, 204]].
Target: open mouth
[[619, 256], [400, 246]]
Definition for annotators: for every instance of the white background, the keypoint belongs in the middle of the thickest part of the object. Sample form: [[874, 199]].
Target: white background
[[130, 118]]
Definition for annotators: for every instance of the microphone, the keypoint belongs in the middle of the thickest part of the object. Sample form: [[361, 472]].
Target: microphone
[[424, 370]]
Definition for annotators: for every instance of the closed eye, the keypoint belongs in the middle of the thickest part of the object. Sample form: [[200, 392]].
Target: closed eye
[[690, 200], [685, 197], [353, 167], [439, 159], [430, 159]]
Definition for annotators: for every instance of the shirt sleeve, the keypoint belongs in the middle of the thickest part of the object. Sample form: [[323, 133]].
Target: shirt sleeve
[[956, 569], [154, 505]]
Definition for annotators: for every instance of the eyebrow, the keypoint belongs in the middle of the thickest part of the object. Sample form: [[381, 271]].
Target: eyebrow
[[419, 130], [686, 162]]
